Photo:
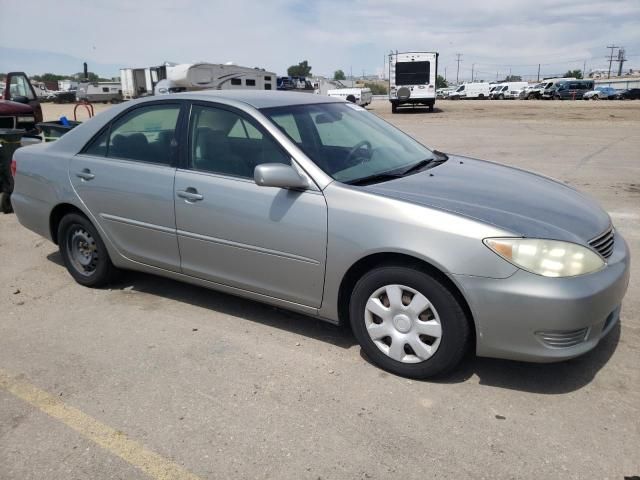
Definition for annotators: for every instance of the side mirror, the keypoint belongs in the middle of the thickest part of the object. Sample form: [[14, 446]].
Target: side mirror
[[278, 175], [20, 99]]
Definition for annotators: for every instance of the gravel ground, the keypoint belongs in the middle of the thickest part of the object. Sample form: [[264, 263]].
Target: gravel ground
[[228, 388]]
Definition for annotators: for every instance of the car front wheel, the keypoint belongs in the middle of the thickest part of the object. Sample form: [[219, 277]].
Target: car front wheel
[[83, 252], [408, 322]]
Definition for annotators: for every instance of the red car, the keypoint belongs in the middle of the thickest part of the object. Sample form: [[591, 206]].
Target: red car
[[19, 105]]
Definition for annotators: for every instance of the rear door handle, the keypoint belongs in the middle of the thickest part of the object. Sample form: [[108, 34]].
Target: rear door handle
[[190, 194], [85, 174]]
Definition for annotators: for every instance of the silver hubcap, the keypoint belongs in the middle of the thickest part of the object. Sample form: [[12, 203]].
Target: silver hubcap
[[403, 324], [82, 251]]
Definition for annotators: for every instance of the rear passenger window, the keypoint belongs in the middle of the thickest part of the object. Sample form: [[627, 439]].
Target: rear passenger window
[[226, 143], [145, 134], [98, 146]]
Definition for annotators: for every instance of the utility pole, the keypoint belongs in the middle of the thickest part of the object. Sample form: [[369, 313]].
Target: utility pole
[[610, 59], [584, 69], [472, 68], [538, 73], [445, 74], [621, 61], [458, 55]]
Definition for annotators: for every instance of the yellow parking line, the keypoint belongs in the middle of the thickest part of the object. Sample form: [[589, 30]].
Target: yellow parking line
[[108, 438]]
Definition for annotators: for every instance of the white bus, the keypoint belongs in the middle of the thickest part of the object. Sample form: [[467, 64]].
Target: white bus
[[412, 79]]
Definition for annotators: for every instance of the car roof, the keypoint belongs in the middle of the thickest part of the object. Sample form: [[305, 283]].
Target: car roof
[[257, 98]]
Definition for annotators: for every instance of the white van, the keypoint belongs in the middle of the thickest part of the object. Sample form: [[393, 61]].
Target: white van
[[479, 90], [508, 90]]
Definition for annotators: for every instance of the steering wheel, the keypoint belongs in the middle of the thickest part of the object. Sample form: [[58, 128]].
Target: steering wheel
[[358, 146]]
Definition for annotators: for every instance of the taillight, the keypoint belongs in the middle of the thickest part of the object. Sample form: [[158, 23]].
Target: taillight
[[14, 167]]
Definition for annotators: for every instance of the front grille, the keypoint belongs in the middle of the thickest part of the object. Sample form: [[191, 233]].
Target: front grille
[[7, 122], [603, 244], [563, 339]]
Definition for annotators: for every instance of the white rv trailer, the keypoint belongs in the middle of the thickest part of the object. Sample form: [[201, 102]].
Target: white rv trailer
[[201, 76], [67, 85], [99, 92], [139, 82], [412, 79]]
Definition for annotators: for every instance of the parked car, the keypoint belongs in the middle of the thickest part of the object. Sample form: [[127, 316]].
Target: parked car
[[314, 204], [630, 94], [550, 86], [571, 90], [531, 91], [604, 93], [19, 105]]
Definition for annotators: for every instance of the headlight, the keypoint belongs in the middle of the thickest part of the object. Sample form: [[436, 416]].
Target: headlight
[[550, 258], [26, 119]]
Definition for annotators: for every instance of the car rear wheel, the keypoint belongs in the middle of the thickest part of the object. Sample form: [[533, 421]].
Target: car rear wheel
[[408, 323], [83, 252]]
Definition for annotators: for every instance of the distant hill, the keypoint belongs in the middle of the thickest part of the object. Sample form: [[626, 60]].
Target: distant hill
[[35, 62]]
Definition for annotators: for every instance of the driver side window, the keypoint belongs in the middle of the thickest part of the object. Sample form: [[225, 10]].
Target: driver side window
[[19, 87], [224, 142]]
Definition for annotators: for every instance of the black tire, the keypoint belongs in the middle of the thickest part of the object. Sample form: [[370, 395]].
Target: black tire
[[394, 108], [431, 108], [455, 326], [99, 270], [5, 203], [351, 99]]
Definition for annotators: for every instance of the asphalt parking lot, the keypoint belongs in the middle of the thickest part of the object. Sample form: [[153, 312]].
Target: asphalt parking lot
[[156, 379]]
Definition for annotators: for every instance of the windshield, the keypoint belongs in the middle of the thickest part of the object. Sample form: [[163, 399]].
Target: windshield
[[346, 141]]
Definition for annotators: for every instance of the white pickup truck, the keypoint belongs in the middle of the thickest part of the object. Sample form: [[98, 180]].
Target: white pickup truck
[[359, 96]]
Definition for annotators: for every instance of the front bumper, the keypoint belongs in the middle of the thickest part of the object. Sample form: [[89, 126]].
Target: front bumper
[[538, 319]]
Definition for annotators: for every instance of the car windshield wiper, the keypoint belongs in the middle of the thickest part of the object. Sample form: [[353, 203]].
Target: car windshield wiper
[[393, 174], [439, 158], [378, 177]]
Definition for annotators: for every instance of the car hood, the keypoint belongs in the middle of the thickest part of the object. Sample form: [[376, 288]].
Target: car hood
[[515, 200], [7, 107]]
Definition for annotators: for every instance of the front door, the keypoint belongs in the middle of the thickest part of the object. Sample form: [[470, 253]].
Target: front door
[[265, 240], [18, 88], [125, 178]]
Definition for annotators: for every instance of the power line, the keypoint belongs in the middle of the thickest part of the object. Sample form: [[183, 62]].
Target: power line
[[458, 55], [610, 59], [621, 60]]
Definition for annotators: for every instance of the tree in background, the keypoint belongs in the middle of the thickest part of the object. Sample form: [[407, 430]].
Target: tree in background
[[441, 82], [303, 69], [49, 77], [513, 78], [339, 75], [376, 88], [573, 74]]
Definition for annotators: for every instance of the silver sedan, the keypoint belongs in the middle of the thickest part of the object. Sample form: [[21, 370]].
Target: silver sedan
[[318, 206]]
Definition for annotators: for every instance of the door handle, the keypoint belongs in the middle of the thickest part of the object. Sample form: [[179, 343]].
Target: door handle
[[190, 194], [85, 174]]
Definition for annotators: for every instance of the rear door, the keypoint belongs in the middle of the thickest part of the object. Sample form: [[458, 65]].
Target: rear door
[[125, 178], [231, 231]]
